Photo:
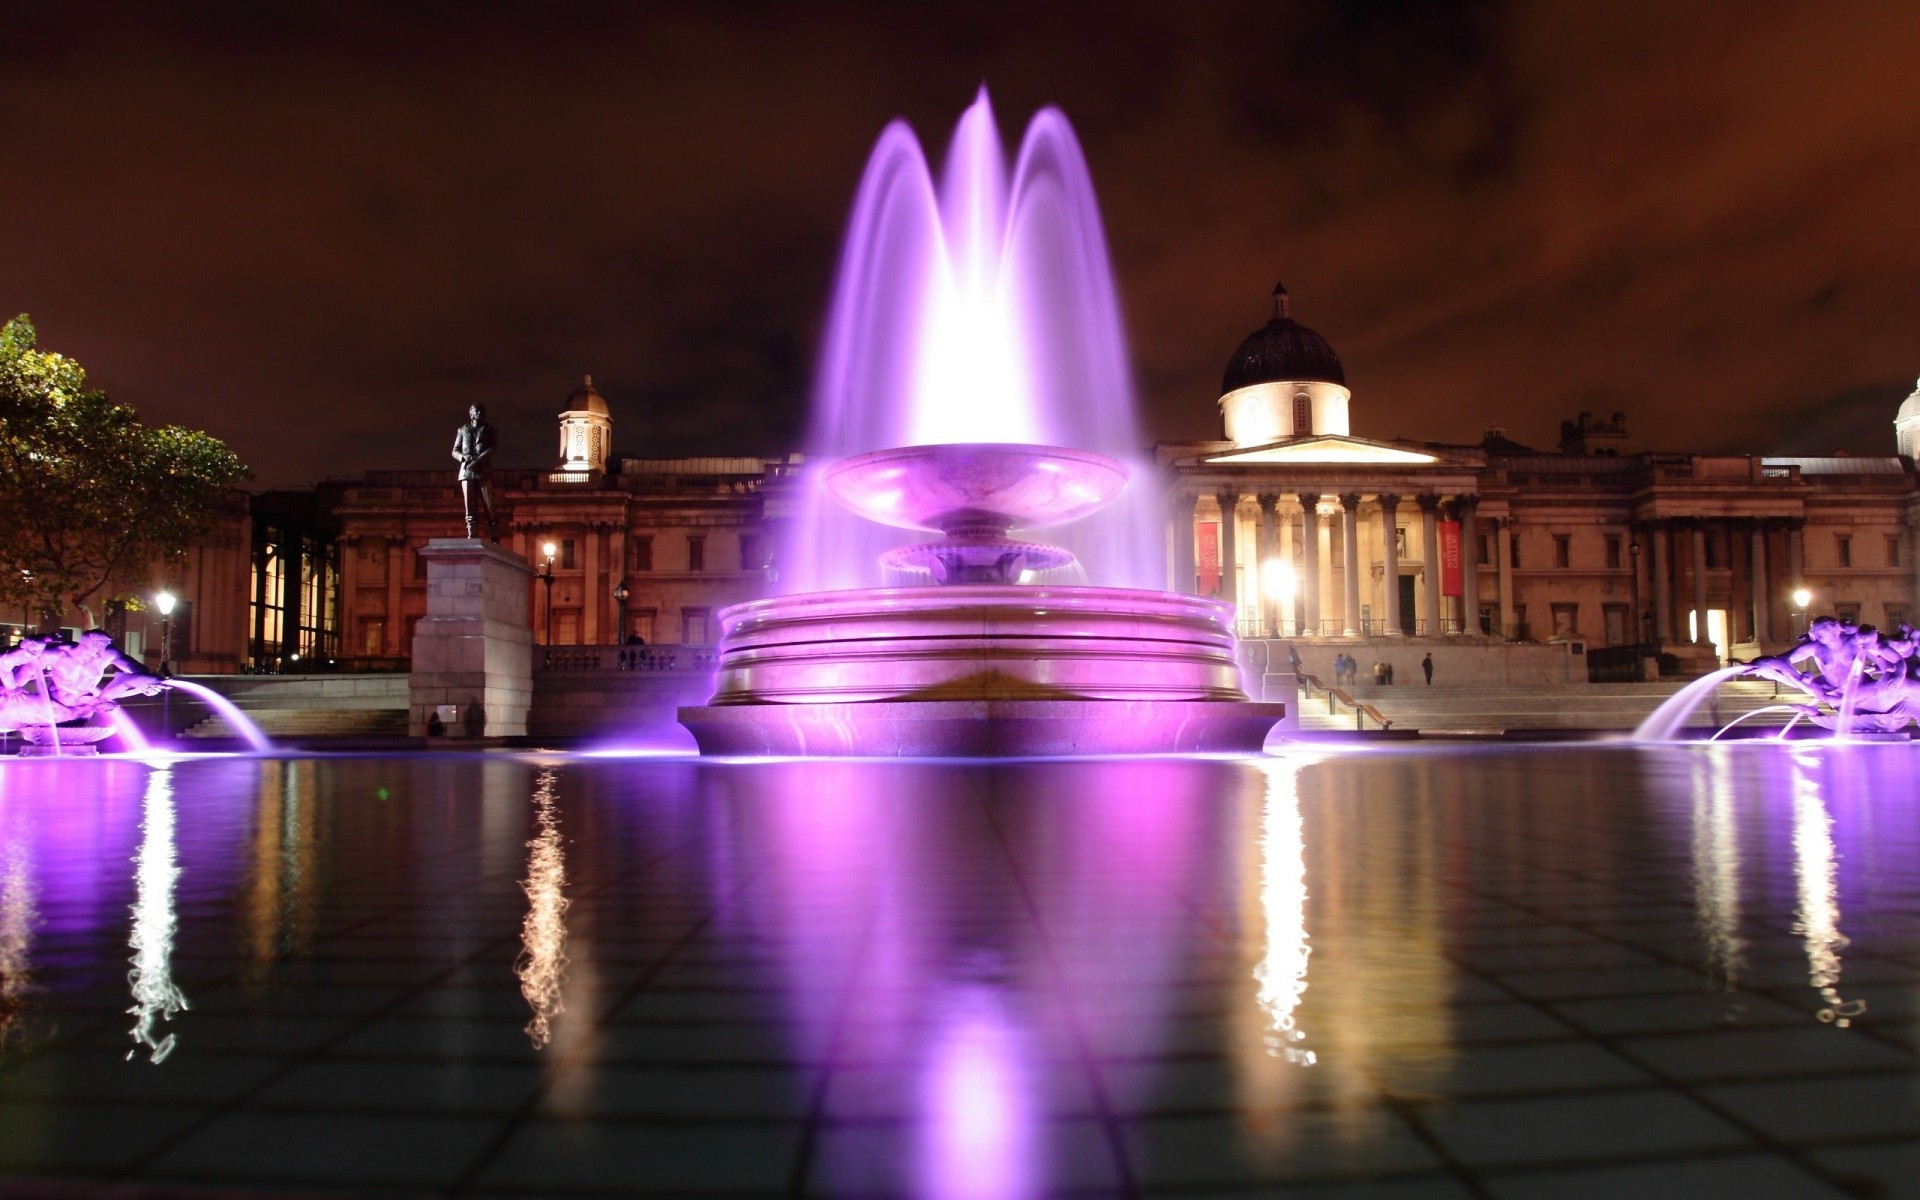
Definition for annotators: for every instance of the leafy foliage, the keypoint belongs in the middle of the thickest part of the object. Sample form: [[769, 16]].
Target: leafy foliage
[[91, 500]]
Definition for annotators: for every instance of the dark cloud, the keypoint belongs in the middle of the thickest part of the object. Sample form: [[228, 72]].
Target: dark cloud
[[320, 230]]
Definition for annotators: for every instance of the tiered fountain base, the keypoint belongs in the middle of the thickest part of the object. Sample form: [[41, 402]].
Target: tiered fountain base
[[979, 670]]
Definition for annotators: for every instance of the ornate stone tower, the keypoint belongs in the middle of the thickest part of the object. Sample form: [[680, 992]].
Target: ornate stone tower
[[586, 432], [1283, 382]]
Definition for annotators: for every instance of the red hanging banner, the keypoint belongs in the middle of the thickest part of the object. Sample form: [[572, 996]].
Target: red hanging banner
[[1206, 541], [1449, 558]]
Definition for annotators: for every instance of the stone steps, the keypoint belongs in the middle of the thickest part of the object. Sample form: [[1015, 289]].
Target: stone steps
[[1484, 708], [310, 723]]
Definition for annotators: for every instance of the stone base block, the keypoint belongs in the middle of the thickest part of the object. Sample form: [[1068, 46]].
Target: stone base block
[[983, 728]]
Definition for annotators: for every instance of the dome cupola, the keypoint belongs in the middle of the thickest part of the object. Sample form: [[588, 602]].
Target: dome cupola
[[1283, 382], [1906, 426], [586, 432]]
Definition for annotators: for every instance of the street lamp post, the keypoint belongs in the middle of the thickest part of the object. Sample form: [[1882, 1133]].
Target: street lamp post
[[1802, 599], [546, 577], [164, 602], [620, 595]]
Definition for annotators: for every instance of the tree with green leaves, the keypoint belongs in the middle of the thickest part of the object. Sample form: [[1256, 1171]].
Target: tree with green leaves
[[91, 500]]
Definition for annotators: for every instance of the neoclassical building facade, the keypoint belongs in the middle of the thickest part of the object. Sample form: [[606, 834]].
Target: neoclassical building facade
[[683, 537], [1322, 536]]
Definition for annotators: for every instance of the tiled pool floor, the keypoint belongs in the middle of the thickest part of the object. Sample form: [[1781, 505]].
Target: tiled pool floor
[[1556, 972]]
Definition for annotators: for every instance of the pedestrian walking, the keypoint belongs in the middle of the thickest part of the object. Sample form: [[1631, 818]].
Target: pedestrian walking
[[1426, 667]]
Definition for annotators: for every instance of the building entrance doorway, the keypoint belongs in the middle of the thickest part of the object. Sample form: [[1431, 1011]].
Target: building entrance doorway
[[1408, 617], [1716, 629]]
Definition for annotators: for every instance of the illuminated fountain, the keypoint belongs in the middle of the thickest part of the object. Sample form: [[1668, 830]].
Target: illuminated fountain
[[1855, 681], [63, 698], [975, 385]]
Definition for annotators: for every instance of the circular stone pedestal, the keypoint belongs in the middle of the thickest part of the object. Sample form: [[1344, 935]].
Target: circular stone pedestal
[[979, 670]]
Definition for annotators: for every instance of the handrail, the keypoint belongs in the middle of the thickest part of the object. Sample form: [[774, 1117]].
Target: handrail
[[1361, 709]]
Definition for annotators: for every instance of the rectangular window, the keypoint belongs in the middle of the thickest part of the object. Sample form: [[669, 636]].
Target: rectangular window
[[419, 566], [641, 622], [643, 554], [373, 636], [1847, 612], [693, 626], [567, 562], [1613, 552], [696, 553], [1566, 620], [1896, 616], [1710, 550], [750, 553], [1513, 552], [1562, 550], [1615, 616], [1893, 549], [1482, 549], [1843, 549]]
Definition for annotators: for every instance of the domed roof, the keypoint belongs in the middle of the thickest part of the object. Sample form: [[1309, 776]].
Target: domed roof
[[586, 399], [1910, 407], [1282, 350]]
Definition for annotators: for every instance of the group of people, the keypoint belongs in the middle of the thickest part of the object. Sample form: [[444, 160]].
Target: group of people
[[1346, 670]]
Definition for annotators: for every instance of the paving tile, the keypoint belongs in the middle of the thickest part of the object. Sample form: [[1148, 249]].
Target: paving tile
[[1747, 1177], [419, 1086], [972, 1157], [635, 1159], [1676, 1012], [714, 1093], [1562, 1129], [424, 1150], [1884, 1172], [44, 1136], [1236, 1151], [1763, 1053], [1835, 1108]]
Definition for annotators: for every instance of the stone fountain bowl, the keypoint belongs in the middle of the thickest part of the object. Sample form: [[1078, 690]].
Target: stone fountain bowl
[[96, 728], [977, 488]]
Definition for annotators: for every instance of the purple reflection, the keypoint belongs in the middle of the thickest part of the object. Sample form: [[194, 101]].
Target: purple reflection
[[977, 1126]]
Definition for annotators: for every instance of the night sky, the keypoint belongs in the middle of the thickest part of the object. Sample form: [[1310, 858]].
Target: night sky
[[320, 234]]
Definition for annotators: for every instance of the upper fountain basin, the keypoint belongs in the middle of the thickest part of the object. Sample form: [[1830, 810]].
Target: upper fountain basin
[[976, 487]]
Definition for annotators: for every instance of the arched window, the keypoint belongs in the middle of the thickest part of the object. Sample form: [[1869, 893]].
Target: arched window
[[1302, 414]]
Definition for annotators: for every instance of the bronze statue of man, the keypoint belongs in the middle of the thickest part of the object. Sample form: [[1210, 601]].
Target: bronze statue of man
[[473, 450]]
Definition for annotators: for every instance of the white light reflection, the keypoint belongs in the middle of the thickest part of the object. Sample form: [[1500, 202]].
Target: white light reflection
[[19, 914], [543, 935], [1816, 872], [155, 998], [1282, 972], [1716, 867], [978, 1137]]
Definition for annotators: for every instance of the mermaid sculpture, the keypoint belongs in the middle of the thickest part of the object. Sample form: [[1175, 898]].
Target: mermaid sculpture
[[1860, 680], [70, 687]]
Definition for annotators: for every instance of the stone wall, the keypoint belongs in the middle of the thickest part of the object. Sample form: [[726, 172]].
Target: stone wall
[[474, 648]]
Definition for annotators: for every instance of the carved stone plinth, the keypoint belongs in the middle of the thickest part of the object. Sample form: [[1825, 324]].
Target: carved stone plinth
[[474, 648]]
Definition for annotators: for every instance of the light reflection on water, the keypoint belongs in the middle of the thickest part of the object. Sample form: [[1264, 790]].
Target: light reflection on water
[[543, 934], [155, 997], [1816, 874], [1716, 866], [967, 956]]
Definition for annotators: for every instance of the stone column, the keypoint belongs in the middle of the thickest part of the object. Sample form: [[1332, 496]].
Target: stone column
[[1503, 553], [1185, 567], [1430, 551], [1390, 563], [1288, 623], [1662, 536], [349, 646], [1269, 622], [1469, 565], [1229, 575], [1699, 549], [1350, 561], [1761, 588], [1310, 564], [396, 566], [1328, 600], [474, 647], [590, 582]]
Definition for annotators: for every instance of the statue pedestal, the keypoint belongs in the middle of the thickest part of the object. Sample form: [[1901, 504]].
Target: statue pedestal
[[474, 648]]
